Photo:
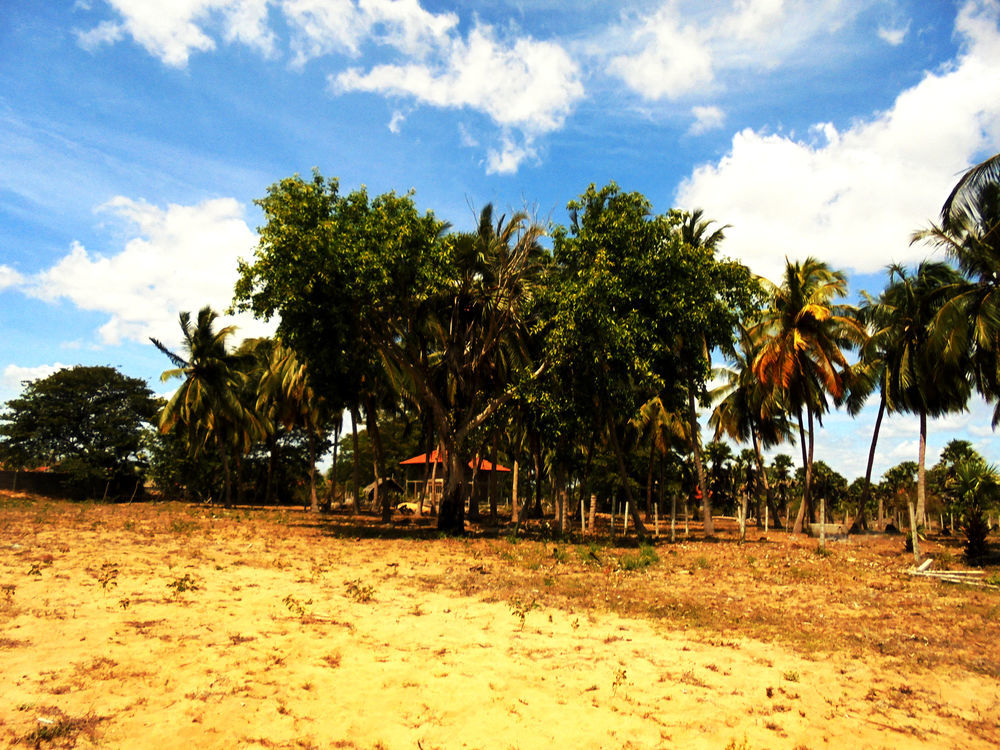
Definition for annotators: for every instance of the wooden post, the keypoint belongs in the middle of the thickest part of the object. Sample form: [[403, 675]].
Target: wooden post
[[513, 497], [765, 519], [583, 518], [625, 520], [656, 519], [592, 521], [822, 523]]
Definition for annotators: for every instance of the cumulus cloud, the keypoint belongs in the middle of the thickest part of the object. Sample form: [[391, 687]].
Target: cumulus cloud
[[520, 83], [705, 119], [893, 36], [509, 157], [173, 31], [9, 277], [15, 375], [526, 84], [680, 48], [396, 123], [854, 197], [182, 258]]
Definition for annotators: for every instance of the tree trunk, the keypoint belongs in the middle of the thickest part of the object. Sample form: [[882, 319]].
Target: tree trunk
[[382, 498], [706, 513], [922, 474], [913, 531], [272, 460], [338, 424], [451, 512], [649, 485], [491, 489], [355, 416], [536, 458], [804, 507], [313, 500], [640, 529], [860, 521], [227, 484], [473, 514], [514, 515], [239, 477], [768, 492]]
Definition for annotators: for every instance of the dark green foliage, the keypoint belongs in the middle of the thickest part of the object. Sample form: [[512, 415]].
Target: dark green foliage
[[85, 421]]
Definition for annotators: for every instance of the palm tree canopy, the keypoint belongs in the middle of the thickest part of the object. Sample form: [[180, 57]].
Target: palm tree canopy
[[804, 335]]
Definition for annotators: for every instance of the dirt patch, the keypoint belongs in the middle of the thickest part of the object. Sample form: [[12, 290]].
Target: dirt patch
[[172, 626]]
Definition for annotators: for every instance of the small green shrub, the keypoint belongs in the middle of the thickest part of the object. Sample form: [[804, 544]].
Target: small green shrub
[[647, 556]]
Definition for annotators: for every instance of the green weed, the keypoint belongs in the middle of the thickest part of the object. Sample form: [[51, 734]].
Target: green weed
[[359, 591]]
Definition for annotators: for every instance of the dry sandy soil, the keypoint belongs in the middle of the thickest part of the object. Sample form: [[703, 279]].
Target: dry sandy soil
[[172, 626]]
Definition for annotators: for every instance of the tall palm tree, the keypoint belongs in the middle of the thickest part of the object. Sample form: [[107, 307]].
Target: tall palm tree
[[747, 410], [970, 233], [694, 231], [804, 335], [285, 385], [909, 333], [208, 402]]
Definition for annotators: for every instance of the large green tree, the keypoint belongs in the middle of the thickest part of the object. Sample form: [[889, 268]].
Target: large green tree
[[352, 277], [639, 308], [88, 421]]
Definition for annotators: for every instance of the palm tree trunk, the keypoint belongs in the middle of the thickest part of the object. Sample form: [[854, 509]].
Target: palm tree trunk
[[768, 493], [649, 484], [536, 457], [699, 468], [860, 522], [921, 476], [227, 484], [491, 488], [797, 529], [313, 500], [272, 460], [355, 416]]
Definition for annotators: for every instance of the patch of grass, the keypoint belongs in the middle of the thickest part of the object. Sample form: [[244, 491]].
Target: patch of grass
[[108, 577], [702, 563], [520, 609], [62, 729], [790, 676], [182, 584], [647, 556], [359, 591], [297, 608]]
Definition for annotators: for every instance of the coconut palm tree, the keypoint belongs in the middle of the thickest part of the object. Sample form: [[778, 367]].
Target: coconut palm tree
[[908, 333], [694, 231], [970, 234], [208, 403], [747, 410], [286, 390], [803, 336]]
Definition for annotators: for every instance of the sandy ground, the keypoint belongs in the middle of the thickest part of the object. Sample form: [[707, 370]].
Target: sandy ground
[[173, 627]]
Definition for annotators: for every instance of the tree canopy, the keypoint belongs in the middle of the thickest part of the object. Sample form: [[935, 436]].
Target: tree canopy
[[87, 421]]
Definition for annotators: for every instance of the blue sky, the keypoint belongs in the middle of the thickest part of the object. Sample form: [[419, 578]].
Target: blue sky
[[135, 135]]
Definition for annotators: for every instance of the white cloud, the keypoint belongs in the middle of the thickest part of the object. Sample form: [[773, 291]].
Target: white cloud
[[14, 375], [321, 27], [681, 47], [530, 85], [172, 31], [183, 258], [9, 277], [705, 119], [893, 36], [854, 197], [510, 156], [396, 123]]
